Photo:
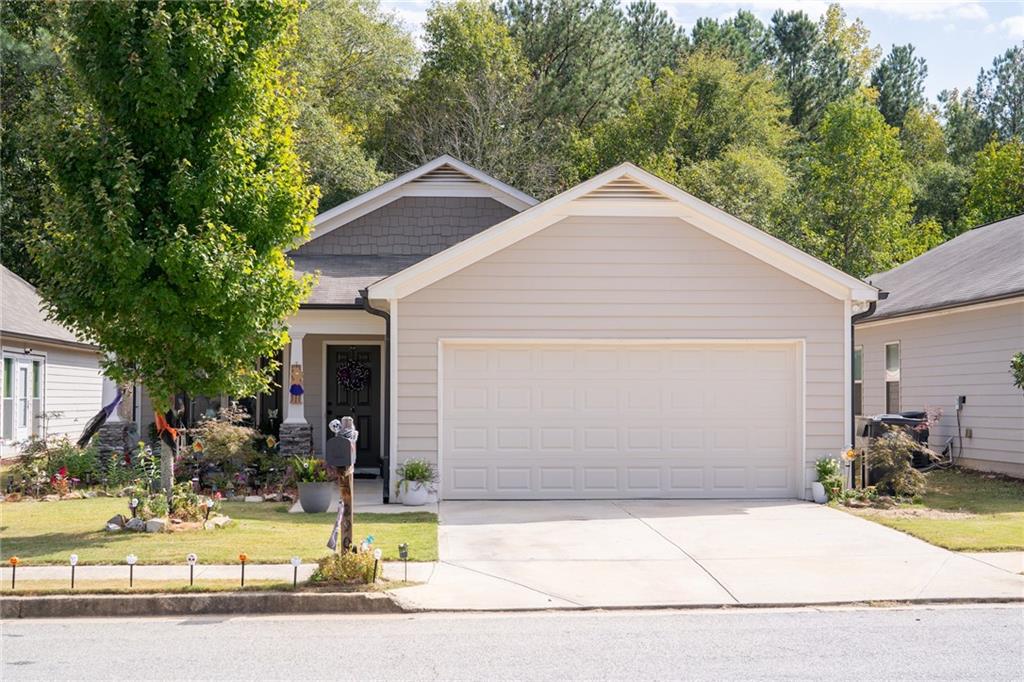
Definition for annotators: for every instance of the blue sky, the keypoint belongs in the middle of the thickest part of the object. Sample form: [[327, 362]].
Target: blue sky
[[956, 38]]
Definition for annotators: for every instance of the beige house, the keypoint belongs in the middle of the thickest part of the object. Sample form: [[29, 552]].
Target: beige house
[[944, 337], [51, 378], [622, 339]]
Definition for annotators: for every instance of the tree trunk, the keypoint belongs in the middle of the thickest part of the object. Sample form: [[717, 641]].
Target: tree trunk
[[166, 467], [345, 482]]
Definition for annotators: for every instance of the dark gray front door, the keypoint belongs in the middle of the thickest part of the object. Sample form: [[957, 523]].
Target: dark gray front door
[[362, 404]]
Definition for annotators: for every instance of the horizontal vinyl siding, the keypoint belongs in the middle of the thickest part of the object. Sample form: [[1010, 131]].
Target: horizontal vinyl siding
[[619, 278], [958, 353], [73, 386]]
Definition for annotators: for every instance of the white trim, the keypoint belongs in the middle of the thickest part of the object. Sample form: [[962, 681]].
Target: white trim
[[847, 374], [686, 207], [938, 313], [485, 186], [16, 353], [393, 378], [799, 345], [859, 348], [323, 390], [885, 375]]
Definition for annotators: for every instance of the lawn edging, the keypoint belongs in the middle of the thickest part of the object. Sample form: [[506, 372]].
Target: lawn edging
[[227, 603]]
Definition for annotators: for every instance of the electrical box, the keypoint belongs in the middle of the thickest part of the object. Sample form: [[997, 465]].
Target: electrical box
[[968, 433], [961, 400]]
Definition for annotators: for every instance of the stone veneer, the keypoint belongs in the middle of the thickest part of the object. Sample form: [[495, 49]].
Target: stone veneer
[[295, 439], [116, 437]]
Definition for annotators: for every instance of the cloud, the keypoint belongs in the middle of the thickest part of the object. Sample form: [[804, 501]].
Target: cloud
[[1014, 26]]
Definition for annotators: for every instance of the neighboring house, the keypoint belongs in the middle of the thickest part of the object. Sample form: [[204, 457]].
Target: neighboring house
[[953, 319], [622, 339], [51, 379]]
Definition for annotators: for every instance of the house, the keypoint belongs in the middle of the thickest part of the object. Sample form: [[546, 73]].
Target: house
[[953, 319], [621, 339], [51, 378]]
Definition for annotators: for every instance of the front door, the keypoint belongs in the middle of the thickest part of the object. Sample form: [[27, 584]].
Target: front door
[[353, 390], [24, 391]]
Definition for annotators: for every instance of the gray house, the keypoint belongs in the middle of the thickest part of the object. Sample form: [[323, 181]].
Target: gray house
[[953, 319], [52, 383]]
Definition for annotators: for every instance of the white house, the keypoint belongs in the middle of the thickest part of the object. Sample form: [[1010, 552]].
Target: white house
[[953, 319], [51, 379]]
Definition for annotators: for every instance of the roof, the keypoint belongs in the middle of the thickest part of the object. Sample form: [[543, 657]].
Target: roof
[[343, 277], [629, 191], [444, 176], [983, 264], [21, 312]]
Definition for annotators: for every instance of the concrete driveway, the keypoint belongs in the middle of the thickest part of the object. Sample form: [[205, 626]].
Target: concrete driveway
[[667, 552]]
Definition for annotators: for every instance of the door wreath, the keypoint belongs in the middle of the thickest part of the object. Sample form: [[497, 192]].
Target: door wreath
[[353, 375]]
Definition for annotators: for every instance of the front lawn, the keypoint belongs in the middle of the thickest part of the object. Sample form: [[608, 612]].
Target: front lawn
[[47, 532], [962, 510]]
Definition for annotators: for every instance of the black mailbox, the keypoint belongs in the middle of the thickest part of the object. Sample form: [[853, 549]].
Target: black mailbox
[[341, 452]]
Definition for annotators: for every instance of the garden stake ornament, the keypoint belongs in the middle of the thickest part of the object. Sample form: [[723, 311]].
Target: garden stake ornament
[[243, 558], [14, 569], [295, 571], [131, 559], [403, 554], [191, 559], [73, 559], [377, 554]]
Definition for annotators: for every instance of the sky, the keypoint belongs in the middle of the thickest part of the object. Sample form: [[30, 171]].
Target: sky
[[956, 38]]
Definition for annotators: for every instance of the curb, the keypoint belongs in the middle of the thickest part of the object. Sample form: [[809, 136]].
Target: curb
[[257, 603]]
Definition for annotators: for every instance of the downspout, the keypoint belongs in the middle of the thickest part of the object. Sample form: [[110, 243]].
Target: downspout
[[385, 454], [854, 319]]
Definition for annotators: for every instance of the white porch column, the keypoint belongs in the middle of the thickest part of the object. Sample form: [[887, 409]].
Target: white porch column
[[295, 411], [109, 392]]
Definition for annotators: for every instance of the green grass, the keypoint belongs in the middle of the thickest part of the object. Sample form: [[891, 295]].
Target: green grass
[[995, 505], [47, 532]]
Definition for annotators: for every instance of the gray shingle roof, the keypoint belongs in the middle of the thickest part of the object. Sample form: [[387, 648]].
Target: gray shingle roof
[[21, 311], [983, 264], [341, 277]]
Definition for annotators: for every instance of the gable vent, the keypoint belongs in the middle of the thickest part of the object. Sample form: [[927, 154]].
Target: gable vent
[[625, 188], [445, 174]]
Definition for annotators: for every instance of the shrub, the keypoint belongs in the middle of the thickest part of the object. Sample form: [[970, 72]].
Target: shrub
[[349, 568], [309, 470], [828, 475], [151, 505], [185, 503], [891, 456], [225, 441], [55, 461]]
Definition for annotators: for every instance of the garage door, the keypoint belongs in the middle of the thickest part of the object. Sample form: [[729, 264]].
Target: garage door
[[606, 420]]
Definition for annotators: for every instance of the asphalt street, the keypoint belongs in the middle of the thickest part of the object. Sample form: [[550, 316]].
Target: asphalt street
[[935, 643]]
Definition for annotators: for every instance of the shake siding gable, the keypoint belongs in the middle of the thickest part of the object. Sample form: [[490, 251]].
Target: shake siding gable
[[620, 278]]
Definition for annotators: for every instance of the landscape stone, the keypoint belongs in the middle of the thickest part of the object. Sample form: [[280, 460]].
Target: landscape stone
[[136, 524], [156, 525], [253, 498], [295, 439], [50, 498], [118, 520], [113, 527], [218, 521], [89, 494]]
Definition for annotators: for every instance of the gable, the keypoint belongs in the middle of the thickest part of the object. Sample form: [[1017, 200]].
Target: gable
[[627, 192]]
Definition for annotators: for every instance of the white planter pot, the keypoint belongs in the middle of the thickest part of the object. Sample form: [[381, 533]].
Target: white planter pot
[[414, 494], [818, 492]]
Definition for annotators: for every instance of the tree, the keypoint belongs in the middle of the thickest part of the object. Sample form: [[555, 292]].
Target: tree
[[940, 190], [922, 137], [742, 38], [856, 191], [964, 127], [997, 185], [176, 193], [653, 39], [851, 41], [1000, 93], [899, 80], [352, 61], [578, 56]]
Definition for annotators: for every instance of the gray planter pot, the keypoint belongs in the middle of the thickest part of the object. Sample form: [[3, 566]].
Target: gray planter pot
[[315, 498]]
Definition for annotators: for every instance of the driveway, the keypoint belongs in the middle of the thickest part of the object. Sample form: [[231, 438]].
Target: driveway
[[692, 552]]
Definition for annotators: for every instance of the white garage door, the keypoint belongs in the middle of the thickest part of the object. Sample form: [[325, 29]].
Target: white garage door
[[554, 420]]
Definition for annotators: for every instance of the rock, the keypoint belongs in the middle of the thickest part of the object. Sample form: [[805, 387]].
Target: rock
[[287, 497], [88, 494], [156, 525], [118, 520], [103, 493], [253, 498], [135, 524], [218, 521], [113, 527], [273, 497], [50, 498]]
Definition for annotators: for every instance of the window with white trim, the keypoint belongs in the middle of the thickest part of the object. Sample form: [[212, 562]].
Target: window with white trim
[[892, 377], [858, 380]]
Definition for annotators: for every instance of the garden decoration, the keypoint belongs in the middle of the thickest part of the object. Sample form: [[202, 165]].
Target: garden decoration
[[133, 504], [13, 561], [295, 390], [130, 560], [403, 554], [377, 554], [73, 560], [295, 571], [341, 453], [243, 557], [100, 419], [191, 559]]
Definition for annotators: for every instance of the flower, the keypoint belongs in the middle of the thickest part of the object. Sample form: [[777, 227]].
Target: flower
[[850, 455], [63, 472], [217, 495]]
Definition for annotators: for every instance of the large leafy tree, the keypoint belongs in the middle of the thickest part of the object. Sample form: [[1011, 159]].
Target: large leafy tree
[[352, 61], [857, 196], [964, 126], [997, 184], [176, 193], [742, 38], [1000, 94], [899, 80]]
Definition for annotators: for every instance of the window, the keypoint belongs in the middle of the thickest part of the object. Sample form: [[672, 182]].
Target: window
[[37, 397], [7, 428], [892, 377], [858, 380]]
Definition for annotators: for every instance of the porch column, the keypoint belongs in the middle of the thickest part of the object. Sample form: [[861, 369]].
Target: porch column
[[296, 433]]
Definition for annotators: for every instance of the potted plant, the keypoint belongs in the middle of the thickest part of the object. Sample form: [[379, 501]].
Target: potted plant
[[416, 478], [829, 484], [316, 490]]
